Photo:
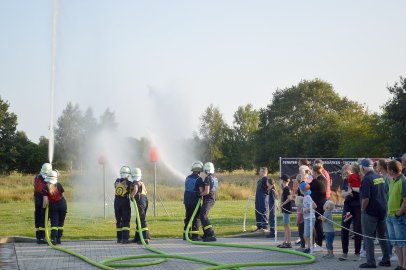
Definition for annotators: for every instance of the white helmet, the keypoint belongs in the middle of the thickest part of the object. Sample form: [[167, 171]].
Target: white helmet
[[197, 166], [136, 174], [125, 172], [52, 177], [208, 167], [45, 169]]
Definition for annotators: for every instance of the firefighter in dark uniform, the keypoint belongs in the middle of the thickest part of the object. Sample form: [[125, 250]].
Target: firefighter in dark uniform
[[190, 198], [140, 196], [57, 206], [39, 213], [207, 188], [122, 209]]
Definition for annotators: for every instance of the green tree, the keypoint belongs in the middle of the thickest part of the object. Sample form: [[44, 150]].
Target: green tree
[[28, 155], [212, 130], [68, 135], [395, 117], [238, 146], [8, 126], [108, 120], [303, 120]]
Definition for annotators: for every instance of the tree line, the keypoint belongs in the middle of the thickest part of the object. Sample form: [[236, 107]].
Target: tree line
[[309, 119]]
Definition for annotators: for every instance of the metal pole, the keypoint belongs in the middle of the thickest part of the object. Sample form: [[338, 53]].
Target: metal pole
[[154, 189], [245, 213], [104, 183]]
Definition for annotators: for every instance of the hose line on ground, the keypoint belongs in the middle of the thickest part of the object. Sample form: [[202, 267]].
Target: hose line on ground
[[163, 256], [310, 258]]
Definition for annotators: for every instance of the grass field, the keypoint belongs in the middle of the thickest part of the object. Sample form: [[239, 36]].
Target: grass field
[[85, 219]]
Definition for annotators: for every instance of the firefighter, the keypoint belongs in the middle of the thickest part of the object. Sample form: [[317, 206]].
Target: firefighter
[[207, 189], [122, 209], [57, 206], [140, 196], [190, 198], [39, 213]]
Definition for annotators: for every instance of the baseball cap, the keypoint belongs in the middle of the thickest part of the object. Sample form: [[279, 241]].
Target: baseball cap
[[366, 162]]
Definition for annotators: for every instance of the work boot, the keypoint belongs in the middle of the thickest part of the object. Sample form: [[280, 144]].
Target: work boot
[[58, 240], [53, 241], [125, 241], [209, 239], [195, 237]]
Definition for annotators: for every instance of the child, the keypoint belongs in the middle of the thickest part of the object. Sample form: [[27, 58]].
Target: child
[[300, 221], [122, 207], [140, 195], [307, 205], [57, 206], [328, 228], [354, 183], [286, 207], [273, 197]]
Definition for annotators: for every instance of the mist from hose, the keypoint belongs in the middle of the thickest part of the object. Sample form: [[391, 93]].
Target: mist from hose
[[89, 185], [169, 130], [51, 142]]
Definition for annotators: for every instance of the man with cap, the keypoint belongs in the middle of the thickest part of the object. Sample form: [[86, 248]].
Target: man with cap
[[373, 214], [261, 200]]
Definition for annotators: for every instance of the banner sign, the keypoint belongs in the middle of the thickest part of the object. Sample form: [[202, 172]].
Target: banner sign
[[290, 166]]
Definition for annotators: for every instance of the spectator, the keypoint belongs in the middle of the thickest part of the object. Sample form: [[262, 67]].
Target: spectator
[[272, 202], [327, 177], [286, 206], [300, 222], [261, 198], [373, 214], [396, 220], [354, 183], [404, 164], [355, 210], [308, 216], [318, 188], [328, 228], [383, 170]]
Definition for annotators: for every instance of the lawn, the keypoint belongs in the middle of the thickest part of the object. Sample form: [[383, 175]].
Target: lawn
[[85, 221]]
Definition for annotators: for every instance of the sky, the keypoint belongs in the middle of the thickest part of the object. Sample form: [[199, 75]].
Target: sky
[[162, 63]]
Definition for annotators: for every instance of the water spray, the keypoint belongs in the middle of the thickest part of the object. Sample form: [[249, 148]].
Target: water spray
[[55, 8], [103, 161], [153, 156]]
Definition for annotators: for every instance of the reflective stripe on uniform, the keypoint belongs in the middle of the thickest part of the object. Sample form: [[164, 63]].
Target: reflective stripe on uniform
[[41, 229], [125, 228], [143, 229], [54, 228], [194, 232], [60, 228], [207, 227], [119, 229]]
